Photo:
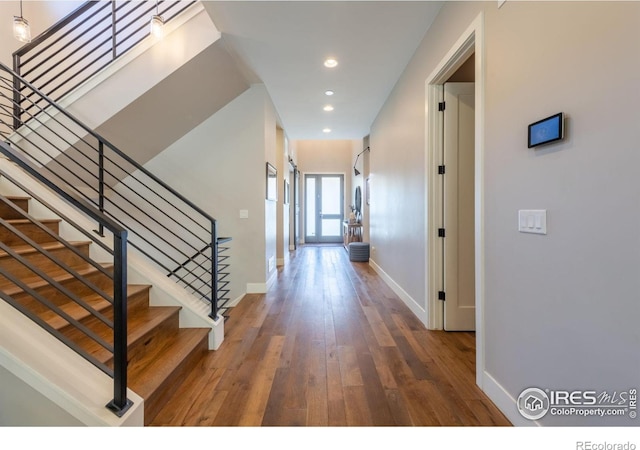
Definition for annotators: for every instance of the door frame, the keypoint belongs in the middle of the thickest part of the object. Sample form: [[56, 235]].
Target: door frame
[[470, 42], [303, 197]]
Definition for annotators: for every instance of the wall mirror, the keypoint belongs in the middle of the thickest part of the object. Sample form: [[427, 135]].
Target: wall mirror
[[358, 204]]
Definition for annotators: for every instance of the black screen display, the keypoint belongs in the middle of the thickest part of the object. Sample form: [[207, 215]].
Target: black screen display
[[546, 130]]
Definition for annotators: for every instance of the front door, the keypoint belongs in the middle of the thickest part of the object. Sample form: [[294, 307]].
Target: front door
[[324, 206]]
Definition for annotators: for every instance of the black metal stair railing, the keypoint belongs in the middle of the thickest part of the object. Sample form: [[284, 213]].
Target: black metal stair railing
[[115, 273], [81, 45], [223, 274], [163, 225], [97, 178]]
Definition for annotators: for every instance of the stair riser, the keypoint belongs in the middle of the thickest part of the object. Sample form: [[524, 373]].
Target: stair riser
[[155, 402], [42, 262], [30, 230], [6, 212], [56, 297], [138, 301]]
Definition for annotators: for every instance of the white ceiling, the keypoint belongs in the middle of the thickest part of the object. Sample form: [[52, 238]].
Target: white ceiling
[[284, 43]]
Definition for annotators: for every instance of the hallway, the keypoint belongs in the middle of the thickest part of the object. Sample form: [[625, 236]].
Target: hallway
[[331, 345]]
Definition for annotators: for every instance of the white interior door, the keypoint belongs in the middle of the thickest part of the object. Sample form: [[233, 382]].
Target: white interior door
[[458, 207]]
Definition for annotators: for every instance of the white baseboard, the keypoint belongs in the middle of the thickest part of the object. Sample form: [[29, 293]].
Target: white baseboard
[[505, 402], [262, 288], [411, 303]]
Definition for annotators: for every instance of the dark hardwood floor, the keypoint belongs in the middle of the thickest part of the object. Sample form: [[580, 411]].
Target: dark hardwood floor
[[331, 345]]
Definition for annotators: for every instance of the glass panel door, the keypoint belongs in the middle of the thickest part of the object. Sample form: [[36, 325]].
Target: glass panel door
[[324, 206]]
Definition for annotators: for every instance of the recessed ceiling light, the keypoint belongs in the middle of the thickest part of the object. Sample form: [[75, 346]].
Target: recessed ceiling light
[[329, 92], [330, 63], [326, 130], [328, 108]]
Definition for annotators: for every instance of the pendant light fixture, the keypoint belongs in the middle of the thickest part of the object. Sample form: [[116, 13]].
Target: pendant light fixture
[[21, 29], [157, 24]]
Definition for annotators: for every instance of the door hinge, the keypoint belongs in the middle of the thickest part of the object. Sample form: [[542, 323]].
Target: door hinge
[[442, 296], [440, 170], [440, 232], [441, 106]]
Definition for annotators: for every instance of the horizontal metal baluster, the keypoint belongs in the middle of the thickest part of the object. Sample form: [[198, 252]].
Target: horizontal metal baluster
[[59, 86], [64, 217], [187, 216], [189, 260], [142, 197], [68, 342], [59, 287], [53, 307], [43, 165], [53, 56], [65, 62], [46, 253]]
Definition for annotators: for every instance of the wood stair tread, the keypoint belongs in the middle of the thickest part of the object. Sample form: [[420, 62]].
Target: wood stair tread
[[17, 197], [139, 324], [53, 245], [43, 220], [77, 312], [146, 377], [59, 275]]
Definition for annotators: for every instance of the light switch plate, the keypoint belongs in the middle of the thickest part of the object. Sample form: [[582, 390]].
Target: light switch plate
[[532, 221], [244, 213]]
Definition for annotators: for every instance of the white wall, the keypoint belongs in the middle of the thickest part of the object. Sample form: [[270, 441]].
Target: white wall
[[220, 165], [561, 310]]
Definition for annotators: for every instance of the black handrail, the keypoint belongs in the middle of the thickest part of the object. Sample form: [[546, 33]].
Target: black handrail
[[120, 403]]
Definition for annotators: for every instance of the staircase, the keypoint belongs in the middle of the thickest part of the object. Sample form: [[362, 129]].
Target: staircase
[[84, 218], [160, 353]]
